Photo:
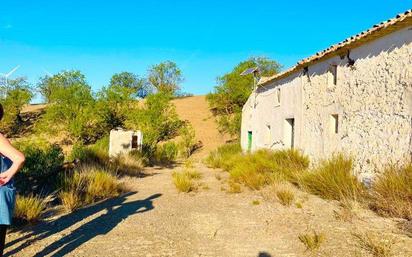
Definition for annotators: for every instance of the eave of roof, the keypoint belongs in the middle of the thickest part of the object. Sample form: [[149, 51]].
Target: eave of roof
[[379, 30]]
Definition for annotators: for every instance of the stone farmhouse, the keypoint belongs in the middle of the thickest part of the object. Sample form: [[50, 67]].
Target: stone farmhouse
[[354, 98]]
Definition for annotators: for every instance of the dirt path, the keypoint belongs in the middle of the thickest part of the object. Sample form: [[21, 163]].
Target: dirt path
[[155, 220]]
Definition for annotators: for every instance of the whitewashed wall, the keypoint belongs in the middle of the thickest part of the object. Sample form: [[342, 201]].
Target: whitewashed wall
[[372, 98]]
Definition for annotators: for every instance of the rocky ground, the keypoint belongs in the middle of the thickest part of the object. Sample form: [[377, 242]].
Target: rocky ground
[[155, 220]]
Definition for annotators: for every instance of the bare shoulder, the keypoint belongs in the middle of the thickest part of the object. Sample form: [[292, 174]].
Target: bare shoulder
[[3, 139]]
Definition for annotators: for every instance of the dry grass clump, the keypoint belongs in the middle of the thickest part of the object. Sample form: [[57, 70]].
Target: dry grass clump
[[285, 196], [264, 167], [184, 180], [234, 187], [346, 211], [87, 185], [101, 185], [29, 208], [222, 157], [333, 179], [391, 193], [70, 200], [376, 245], [127, 164], [255, 202], [312, 241]]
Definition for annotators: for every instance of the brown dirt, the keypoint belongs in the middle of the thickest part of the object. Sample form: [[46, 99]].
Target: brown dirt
[[196, 110], [156, 220]]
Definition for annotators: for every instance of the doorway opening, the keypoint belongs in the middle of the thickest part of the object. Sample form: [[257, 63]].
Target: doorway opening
[[289, 135], [249, 140]]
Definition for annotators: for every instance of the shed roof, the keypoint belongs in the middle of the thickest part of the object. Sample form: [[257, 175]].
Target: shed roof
[[384, 28]]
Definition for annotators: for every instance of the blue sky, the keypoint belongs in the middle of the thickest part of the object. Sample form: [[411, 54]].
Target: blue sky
[[205, 38]]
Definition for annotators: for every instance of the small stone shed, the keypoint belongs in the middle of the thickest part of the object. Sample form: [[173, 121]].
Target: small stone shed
[[354, 97], [123, 141]]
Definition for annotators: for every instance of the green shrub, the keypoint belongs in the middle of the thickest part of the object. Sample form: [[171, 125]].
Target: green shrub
[[221, 157], [187, 144], [13, 97], [233, 90], [166, 153], [41, 165], [72, 110], [93, 154], [392, 192], [333, 179], [29, 208]]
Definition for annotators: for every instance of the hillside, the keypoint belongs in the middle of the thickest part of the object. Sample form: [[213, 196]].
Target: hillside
[[194, 109]]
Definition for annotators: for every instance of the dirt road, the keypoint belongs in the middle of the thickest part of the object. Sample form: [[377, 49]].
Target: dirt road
[[155, 220]]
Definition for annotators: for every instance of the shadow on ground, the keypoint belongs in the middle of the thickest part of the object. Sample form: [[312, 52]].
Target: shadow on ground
[[117, 209]]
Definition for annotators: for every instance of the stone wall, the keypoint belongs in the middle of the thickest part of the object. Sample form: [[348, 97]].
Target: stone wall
[[371, 102]]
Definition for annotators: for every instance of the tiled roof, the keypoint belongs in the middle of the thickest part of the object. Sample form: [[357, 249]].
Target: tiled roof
[[402, 20]]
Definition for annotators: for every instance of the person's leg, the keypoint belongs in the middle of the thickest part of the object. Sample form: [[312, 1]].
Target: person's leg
[[3, 230]]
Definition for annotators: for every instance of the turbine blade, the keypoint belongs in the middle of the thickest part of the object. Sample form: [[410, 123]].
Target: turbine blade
[[12, 71]]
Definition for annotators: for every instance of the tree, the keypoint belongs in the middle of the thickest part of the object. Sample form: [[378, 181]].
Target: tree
[[157, 119], [48, 84], [73, 108], [127, 85], [115, 99], [14, 95], [165, 77], [233, 90]]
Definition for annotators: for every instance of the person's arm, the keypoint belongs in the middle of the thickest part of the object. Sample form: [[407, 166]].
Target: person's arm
[[14, 155]]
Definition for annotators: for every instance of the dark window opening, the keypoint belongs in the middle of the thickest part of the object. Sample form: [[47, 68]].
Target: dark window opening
[[134, 142]]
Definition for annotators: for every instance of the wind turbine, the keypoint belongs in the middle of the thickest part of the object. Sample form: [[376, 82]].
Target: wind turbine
[[7, 75], [47, 72]]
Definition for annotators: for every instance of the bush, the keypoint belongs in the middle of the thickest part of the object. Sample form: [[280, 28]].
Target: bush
[[392, 192], [97, 153], [72, 109], [233, 90], [41, 165], [166, 153], [187, 144], [333, 180], [29, 208], [222, 156], [13, 96], [157, 119]]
